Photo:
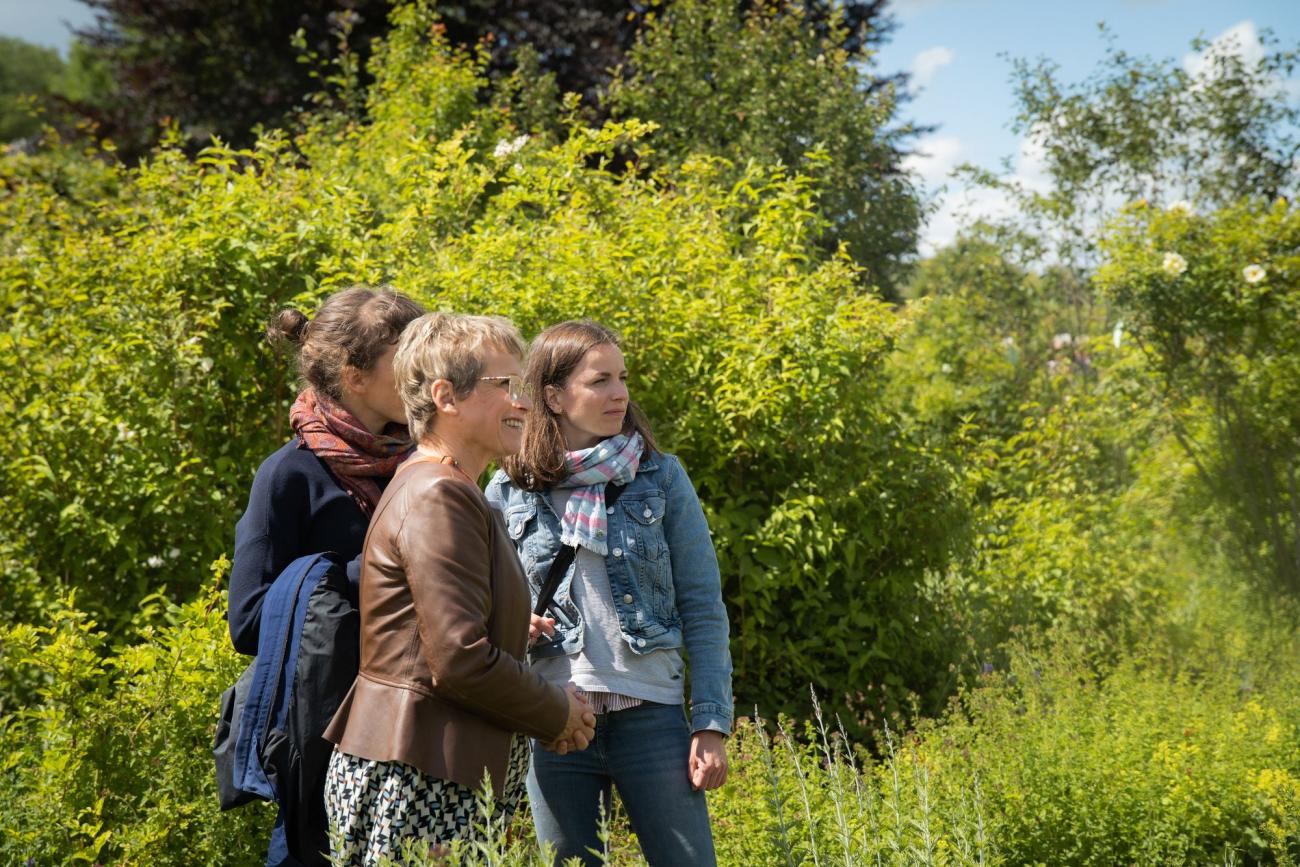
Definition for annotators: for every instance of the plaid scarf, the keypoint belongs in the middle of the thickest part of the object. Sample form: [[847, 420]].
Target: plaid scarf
[[353, 454], [614, 460]]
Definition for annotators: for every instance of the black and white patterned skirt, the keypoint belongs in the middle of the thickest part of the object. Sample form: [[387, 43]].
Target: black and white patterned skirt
[[378, 808]]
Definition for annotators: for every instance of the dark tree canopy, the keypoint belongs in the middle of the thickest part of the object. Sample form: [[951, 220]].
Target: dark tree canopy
[[582, 41], [223, 68], [215, 68]]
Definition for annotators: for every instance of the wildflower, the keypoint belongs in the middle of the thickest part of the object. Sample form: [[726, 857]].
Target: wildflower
[[506, 147], [344, 19], [1182, 206], [946, 368], [1174, 265], [174, 553], [1052, 366], [1062, 340], [1253, 273], [1008, 341], [205, 364], [154, 562]]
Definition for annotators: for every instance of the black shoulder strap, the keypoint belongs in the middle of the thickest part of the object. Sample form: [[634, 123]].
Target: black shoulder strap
[[564, 559]]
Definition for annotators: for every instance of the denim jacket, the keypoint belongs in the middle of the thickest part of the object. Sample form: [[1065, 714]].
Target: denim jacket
[[663, 574]]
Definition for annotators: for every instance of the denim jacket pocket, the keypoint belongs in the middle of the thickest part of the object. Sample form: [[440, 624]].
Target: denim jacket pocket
[[646, 524], [649, 546], [524, 532]]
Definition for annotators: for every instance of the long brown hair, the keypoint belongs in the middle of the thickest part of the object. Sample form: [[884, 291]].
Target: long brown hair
[[552, 358]]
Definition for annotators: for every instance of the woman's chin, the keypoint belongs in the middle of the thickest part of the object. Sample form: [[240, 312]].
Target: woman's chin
[[510, 444]]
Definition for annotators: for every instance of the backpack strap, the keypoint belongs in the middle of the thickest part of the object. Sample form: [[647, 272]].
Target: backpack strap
[[564, 559]]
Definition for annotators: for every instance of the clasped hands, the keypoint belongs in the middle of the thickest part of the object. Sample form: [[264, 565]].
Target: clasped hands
[[579, 728]]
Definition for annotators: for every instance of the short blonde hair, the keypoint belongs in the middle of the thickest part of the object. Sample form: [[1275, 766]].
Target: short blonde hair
[[446, 346]]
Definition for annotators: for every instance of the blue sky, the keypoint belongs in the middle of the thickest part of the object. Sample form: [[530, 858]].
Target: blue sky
[[953, 48]]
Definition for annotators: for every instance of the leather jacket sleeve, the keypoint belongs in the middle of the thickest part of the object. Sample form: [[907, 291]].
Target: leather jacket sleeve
[[448, 541]]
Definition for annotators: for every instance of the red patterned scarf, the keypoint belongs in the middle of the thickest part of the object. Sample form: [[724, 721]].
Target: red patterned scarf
[[353, 454]]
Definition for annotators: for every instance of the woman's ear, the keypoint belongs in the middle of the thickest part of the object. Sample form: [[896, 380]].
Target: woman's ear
[[443, 394], [552, 397], [354, 380]]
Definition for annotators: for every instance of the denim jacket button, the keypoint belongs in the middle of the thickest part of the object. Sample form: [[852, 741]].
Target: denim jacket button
[[647, 514], [609, 510], [618, 552], [627, 598], [640, 642]]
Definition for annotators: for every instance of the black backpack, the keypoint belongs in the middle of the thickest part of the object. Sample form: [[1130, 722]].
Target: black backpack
[[268, 744]]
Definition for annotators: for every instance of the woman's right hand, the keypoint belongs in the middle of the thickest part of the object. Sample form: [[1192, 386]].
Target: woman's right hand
[[579, 729]]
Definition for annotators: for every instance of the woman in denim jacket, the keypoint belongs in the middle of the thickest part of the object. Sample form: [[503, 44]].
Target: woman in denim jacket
[[644, 585]]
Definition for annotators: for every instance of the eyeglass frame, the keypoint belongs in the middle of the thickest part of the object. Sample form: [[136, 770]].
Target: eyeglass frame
[[515, 393]]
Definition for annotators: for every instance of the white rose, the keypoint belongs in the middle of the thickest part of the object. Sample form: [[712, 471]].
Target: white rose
[[1253, 273], [1174, 265]]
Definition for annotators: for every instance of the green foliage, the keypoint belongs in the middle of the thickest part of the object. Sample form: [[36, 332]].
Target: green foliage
[[900, 498], [144, 399], [1215, 304], [986, 336], [1218, 128], [1086, 764], [769, 85], [1066, 534], [108, 759], [27, 73]]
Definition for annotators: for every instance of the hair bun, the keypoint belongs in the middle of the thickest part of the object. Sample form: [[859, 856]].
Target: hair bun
[[287, 327]]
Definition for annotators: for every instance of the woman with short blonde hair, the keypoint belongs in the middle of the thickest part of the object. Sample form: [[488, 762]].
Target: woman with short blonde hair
[[444, 695]]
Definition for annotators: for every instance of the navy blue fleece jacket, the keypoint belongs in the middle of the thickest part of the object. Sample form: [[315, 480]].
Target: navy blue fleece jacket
[[296, 507]]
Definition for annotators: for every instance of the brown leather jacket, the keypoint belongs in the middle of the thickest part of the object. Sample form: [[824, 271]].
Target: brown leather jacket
[[444, 679]]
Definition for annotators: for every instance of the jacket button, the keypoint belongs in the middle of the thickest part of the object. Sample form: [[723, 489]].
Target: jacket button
[[618, 552], [627, 598], [640, 642], [647, 513], [609, 510]]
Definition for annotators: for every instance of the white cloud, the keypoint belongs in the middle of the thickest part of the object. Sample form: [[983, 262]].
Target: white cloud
[[926, 64], [960, 207], [1241, 39], [934, 158]]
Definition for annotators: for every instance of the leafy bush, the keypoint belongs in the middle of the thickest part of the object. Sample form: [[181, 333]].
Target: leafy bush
[[144, 397], [769, 82], [1214, 301], [109, 760]]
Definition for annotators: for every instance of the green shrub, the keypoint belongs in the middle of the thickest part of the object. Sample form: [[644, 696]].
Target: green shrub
[[110, 759], [1214, 301], [144, 398], [1126, 765]]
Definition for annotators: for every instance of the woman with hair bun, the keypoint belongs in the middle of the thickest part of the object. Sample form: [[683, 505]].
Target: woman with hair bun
[[319, 490]]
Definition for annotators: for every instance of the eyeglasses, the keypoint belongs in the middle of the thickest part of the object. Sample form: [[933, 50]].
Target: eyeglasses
[[514, 384]]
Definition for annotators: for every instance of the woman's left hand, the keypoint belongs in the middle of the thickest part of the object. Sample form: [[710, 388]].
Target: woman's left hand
[[708, 765], [539, 626]]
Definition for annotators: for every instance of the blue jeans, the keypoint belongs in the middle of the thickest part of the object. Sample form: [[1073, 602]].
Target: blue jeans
[[644, 751]]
